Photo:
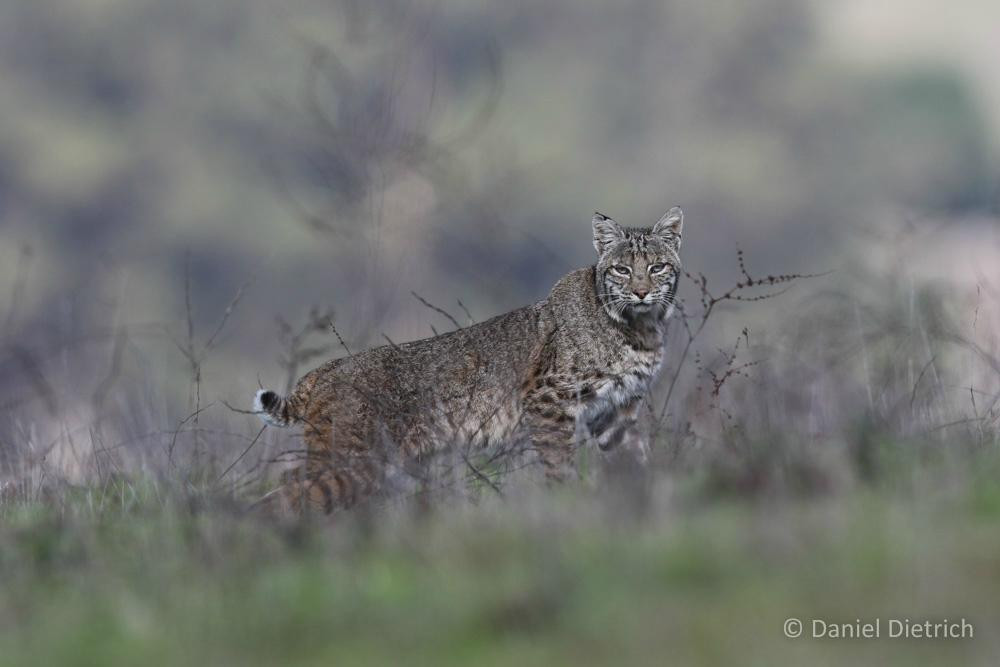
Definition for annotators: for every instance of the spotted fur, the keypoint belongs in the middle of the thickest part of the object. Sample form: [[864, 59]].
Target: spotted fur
[[569, 369]]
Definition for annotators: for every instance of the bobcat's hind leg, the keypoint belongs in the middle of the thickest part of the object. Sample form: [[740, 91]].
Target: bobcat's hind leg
[[314, 489]]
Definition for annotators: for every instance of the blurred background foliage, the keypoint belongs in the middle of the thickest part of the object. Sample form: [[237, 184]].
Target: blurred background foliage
[[189, 188], [342, 153]]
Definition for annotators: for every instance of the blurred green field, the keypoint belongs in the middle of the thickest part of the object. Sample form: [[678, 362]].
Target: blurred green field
[[131, 574], [843, 467]]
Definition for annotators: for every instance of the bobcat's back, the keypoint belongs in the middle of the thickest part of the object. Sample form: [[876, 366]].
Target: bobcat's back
[[462, 384]]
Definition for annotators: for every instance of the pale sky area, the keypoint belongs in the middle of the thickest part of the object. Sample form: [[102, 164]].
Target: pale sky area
[[904, 32]]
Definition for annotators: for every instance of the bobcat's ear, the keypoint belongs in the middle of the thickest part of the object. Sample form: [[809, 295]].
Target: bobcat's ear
[[606, 233], [671, 226]]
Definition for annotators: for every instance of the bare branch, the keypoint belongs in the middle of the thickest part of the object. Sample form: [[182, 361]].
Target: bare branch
[[436, 309], [466, 311], [243, 453]]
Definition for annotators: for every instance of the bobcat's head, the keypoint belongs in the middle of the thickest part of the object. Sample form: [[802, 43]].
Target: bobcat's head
[[637, 268]]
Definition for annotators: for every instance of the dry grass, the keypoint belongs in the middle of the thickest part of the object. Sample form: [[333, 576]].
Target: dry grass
[[841, 464]]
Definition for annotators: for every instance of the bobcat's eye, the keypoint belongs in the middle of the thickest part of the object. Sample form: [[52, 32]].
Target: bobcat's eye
[[621, 270], [657, 268]]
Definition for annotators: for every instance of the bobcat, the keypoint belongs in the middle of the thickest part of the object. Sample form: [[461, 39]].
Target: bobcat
[[569, 369]]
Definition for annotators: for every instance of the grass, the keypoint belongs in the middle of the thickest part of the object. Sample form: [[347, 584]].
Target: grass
[[153, 579], [844, 466]]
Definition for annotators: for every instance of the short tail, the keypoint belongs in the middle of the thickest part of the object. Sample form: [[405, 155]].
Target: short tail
[[272, 408]]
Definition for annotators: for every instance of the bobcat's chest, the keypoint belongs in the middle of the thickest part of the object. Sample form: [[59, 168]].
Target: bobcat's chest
[[622, 381]]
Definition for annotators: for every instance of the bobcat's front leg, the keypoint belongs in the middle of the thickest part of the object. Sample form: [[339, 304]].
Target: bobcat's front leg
[[551, 429], [616, 425]]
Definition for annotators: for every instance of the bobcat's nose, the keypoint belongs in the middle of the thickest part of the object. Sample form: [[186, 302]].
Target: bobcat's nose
[[640, 292]]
